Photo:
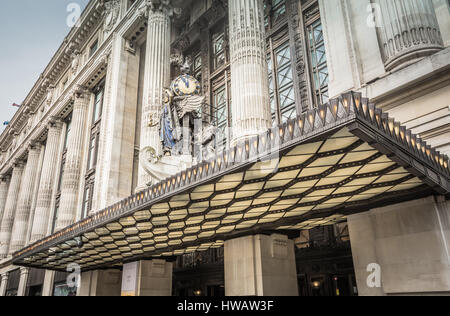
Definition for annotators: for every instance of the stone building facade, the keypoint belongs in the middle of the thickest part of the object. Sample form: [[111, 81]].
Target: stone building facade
[[78, 143]]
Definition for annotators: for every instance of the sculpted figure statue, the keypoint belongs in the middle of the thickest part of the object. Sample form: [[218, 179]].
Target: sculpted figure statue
[[180, 117]]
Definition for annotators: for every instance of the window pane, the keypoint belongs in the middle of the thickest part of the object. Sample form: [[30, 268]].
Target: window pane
[[93, 48], [68, 127], [283, 56], [318, 58], [92, 162], [287, 98], [219, 50], [282, 92], [220, 111], [98, 105], [285, 77]]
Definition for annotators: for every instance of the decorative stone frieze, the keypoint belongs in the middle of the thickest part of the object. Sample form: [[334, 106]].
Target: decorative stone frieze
[[111, 13]]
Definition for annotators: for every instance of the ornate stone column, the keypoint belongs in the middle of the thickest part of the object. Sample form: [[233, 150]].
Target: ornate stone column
[[156, 78], [10, 209], [47, 182], [249, 73], [3, 283], [4, 184], [24, 273], [25, 199], [72, 168], [408, 30]]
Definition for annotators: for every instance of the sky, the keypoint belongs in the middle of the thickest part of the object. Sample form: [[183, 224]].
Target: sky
[[31, 32]]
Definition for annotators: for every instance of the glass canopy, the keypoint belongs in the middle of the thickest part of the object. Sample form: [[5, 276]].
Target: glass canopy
[[343, 158]]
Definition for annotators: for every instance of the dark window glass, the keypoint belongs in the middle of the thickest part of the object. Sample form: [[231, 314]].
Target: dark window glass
[[98, 105], [317, 55], [92, 160], [87, 200], [93, 151], [220, 102], [281, 83], [276, 13], [68, 128], [93, 48], [218, 43], [62, 289], [196, 68]]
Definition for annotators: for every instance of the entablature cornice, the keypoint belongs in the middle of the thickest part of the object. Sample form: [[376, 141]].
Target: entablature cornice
[[61, 61], [93, 71]]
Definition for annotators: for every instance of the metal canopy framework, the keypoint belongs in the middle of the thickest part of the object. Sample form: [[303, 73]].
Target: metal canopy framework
[[343, 158]]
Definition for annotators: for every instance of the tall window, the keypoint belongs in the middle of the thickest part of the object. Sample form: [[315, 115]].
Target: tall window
[[220, 84], [316, 52], [93, 150], [196, 67], [68, 123], [275, 12], [222, 110], [281, 83], [219, 54], [93, 48], [279, 59]]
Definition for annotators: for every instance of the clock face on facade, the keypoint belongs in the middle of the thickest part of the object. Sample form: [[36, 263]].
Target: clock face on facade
[[185, 85]]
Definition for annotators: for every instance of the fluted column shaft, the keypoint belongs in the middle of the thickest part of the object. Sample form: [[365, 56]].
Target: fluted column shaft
[[24, 274], [3, 283], [4, 184], [249, 71], [408, 29], [47, 182], [72, 168], [20, 226], [10, 209], [156, 78]]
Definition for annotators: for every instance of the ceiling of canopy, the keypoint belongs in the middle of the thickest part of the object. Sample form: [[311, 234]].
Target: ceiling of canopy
[[343, 158]]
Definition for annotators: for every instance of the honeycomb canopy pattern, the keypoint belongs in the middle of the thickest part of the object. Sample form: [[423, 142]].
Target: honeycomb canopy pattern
[[343, 158]]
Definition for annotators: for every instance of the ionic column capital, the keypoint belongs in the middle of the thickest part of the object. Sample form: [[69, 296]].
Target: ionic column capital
[[18, 163], [55, 122], [24, 271], [33, 145], [5, 276], [79, 92], [159, 6]]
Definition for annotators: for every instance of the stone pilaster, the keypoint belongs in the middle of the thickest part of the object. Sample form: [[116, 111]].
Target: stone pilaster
[[10, 209], [47, 182], [156, 78], [100, 283], [260, 265], [25, 199], [72, 168], [408, 30], [249, 71], [49, 281], [4, 184], [3, 283], [24, 273], [402, 249], [147, 278]]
